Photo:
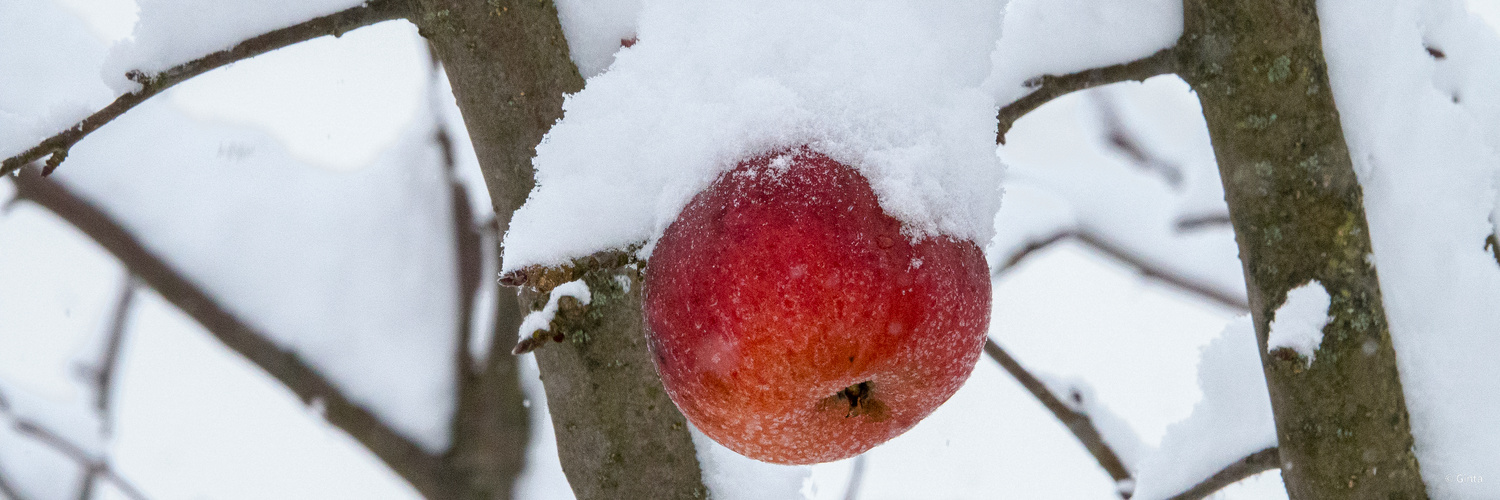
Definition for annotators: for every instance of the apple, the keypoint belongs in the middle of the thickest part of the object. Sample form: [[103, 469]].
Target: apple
[[793, 321]]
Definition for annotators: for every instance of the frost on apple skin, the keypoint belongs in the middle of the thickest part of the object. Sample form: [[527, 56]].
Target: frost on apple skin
[[789, 322]]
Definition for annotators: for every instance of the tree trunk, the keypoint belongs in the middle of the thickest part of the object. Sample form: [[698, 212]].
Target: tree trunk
[[618, 434], [1298, 215]]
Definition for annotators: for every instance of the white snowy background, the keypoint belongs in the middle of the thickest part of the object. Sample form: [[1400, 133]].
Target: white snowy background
[[302, 189]]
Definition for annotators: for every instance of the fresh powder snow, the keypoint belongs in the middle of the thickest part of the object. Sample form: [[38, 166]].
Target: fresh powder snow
[[1298, 323], [891, 88]]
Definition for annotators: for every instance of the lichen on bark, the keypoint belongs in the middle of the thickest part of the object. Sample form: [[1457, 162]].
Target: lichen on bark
[[1298, 215]]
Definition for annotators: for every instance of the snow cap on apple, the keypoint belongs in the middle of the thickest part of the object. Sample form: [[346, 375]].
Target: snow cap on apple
[[889, 88], [793, 322]]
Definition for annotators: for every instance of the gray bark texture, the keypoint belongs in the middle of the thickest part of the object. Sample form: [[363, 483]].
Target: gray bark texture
[[1298, 215], [618, 434]]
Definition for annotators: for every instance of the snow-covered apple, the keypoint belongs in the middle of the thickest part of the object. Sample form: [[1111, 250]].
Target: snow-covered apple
[[793, 321]]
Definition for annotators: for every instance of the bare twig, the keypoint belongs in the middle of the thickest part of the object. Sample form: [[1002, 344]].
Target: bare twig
[[1252, 464], [1079, 423], [1168, 277], [1049, 87], [8, 490], [1129, 258], [1493, 245], [1121, 138], [336, 24], [1197, 222], [420, 468], [104, 372], [95, 465], [1031, 248], [856, 478]]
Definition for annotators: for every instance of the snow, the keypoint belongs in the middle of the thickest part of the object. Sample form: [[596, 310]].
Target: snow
[[542, 320], [1298, 323], [731, 476], [1080, 397], [1232, 420], [596, 29], [353, 271], [44, 95], [172, 32], [889, 87], [1423, 133], [1063, 36]]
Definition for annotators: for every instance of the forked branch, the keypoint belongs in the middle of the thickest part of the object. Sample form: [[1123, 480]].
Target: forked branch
[[56, 147], [406, 458], [1049, 87]]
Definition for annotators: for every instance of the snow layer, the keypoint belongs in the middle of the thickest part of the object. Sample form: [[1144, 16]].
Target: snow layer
[[1079, 396], [40, 96], [1298, 323], [541, 320], [889, 87], [172, 32], [1233, 419], [1064, 36], [731, 476], [596, 30], [1423, 132]]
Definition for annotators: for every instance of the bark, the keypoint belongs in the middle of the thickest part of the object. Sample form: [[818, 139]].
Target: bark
[[618, 435], [1298, 215]]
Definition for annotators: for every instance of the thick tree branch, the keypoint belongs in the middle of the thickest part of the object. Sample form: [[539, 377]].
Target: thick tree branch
[[1252, 464], [402, 455], [335, 24], [1079, 423], [1049, 87], [1129, 258]]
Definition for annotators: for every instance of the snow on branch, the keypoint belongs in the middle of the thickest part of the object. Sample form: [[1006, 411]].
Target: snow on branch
[[56, 148], [1252, 464], [1079, 423], [1049, 87], [422, 470]]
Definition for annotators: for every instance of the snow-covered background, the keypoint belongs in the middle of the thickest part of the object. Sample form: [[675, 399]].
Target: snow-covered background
[[303, 190]]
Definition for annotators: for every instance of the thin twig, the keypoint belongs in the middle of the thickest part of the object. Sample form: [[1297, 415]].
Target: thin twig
[[1079, 423], [1120, 138], [1149, 270], [1252, 464], [420, 468], [104, 373], [336, 24], [1197, 222], [856, 478], [1125, 256], [8, 490], [77, 454], [1049, 87]]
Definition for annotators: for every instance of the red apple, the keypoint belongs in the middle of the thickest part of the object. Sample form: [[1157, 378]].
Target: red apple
[[793, 322]]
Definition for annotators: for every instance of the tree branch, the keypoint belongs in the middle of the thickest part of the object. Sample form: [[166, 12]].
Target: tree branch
[[1079, 423], [335, 24], [91, 464], [1125, 256], [1252, 464], [409, 460], [1049, 87], [103, 374], [856, 478], [8, 490]]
